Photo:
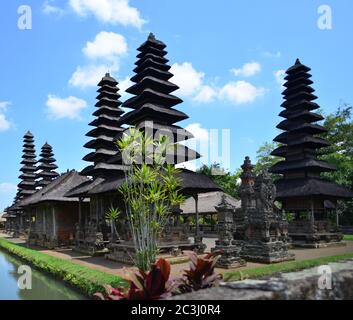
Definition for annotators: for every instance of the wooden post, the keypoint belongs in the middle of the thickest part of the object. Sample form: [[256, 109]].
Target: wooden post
[[312, 212], [80, 212], [54, 223], [196, 198]]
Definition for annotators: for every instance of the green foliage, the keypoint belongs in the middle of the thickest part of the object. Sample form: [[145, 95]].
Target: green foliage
[[88, 281], [340, 153], [112, 215], [348, 237], [150, 191], [227, 181], [264, 158], [283, 267]]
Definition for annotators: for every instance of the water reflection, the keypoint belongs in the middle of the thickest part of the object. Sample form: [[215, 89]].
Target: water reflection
[[44, 287]]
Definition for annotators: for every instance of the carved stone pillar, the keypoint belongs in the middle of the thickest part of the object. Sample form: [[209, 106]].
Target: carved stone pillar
[[230, 253]]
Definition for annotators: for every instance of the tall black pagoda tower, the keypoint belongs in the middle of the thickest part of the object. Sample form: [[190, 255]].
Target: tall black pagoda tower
[[153, 103], [28, 184], [46, 166], [301, 188], [106, 129]]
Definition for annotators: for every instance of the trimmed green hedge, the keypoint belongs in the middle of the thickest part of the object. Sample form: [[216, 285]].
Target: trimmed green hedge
[[87, 280], [283, 267], [348, 237]]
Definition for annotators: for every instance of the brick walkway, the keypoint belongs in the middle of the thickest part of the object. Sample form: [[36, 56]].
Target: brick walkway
[[102, 264]]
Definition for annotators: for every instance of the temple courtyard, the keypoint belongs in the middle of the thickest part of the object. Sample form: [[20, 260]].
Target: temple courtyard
[[179, 263]]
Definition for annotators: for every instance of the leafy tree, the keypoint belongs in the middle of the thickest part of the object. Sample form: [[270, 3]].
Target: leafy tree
[[112, 215], [264, 158], [340, 153], [150, 192], [227, 181]]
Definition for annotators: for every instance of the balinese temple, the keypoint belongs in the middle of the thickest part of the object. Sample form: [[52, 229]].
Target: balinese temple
[[27, 186], [92, 230], [152, 110], [53, 216], [301, 189], [46, 166]]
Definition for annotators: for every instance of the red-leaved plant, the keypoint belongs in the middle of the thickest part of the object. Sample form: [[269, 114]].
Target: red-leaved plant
[[153, 285], [202, 273]]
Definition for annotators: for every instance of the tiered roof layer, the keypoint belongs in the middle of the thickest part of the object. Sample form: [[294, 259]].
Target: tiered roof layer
[[46, 166], [300, 141]]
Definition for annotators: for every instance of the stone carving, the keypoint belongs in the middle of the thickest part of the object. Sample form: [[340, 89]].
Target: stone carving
[[230, 251], [265, 192], [265, 230]]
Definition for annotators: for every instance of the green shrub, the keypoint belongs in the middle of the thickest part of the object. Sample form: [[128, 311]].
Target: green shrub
[[87, 280]]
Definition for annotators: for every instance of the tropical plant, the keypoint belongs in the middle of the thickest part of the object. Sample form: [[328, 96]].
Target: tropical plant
[[227, 181], [112, 215], [153, 285], [202, 273], [150, 191]]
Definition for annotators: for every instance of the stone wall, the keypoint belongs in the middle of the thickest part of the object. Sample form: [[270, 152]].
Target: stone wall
[[302, 285]]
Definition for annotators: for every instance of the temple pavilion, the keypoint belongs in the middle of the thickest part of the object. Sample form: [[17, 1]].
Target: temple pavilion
[[152, 109], [301, 189]]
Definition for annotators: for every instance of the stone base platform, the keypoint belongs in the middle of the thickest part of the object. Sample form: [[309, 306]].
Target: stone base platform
[[272, 252], [124, 252]]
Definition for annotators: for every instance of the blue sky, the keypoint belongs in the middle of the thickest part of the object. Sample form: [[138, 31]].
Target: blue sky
[[226, 55]]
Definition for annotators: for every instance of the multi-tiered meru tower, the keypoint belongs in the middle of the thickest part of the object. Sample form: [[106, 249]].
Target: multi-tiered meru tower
[[106, 130], [153, 102], [27, 186], [46, 167], [301, 189]]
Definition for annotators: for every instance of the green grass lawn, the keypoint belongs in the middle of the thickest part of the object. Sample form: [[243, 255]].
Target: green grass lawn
[[283, 267], [348, 237], [87, 280]]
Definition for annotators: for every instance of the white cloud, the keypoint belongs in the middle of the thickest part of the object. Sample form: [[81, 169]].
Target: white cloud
[[199, 133], [187, 78], [4, 105], [90, 75], [199, 142], [280, 75], [124, 85], [241, 92], [109, 11], [4, 123], [270, 54], [247, 70], [49, 9], [7, 187], [106, 45], [207, 94], [70, 107]]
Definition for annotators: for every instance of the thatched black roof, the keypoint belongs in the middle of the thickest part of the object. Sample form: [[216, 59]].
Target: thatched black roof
[[299, 188], [301, 143], [82, 189], [191, 183], [56, 190]]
